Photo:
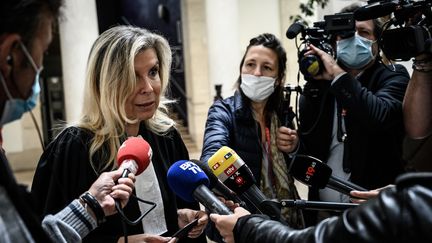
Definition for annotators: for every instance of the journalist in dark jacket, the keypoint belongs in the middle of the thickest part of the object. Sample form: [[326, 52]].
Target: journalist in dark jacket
[[399, 214], [351, 113]]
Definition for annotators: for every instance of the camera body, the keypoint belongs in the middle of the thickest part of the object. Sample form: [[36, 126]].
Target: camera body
[[322, 36], [407, 33]]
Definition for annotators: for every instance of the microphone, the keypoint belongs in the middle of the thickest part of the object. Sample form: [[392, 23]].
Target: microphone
[[134, 156], [190, 183], [312, 172], [294, 30], [375, 10], [234, 173], [314, 205], [217, 186]]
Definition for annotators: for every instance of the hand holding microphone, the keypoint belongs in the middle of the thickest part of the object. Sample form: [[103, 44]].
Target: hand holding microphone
[[133, 157]]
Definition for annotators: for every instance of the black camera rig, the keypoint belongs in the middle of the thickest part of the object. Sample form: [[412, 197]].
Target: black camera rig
[[407, 33], [321, 35]]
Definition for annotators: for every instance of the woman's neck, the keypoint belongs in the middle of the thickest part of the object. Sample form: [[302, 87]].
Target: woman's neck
[[132, 129], [258, 108]]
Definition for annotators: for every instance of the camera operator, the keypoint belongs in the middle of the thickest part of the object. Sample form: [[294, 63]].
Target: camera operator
[[417, 107], [351, 113]]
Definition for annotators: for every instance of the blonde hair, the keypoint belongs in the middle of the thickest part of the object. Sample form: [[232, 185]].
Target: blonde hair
[[110, 80]]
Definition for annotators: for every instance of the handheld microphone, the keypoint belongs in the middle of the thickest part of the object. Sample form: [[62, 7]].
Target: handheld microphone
[[134, 156], [313, 172], [294, 30], [375, 10], [234, 173], [190, 183], [314, 205], [217, 186]]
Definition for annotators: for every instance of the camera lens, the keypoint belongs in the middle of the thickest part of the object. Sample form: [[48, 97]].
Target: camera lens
[[310, 65]]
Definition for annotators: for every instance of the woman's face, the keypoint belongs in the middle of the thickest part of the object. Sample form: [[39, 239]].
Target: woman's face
[[260, 61], [142, 104]]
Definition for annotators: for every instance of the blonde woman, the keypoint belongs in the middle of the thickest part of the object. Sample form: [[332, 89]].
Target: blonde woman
[[127, 78]]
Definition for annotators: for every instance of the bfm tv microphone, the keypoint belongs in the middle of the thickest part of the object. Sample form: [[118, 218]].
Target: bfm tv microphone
[[312, 172], [190, 183], [217, 186], [375, 10], [234, 173], [134, 156]]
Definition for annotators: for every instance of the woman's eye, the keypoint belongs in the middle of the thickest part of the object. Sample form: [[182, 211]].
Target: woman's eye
[[154, 72]]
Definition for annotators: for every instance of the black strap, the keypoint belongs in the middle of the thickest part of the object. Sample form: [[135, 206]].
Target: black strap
[[95, 206]]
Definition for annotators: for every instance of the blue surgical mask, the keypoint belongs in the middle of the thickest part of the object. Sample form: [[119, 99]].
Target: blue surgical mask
[[354, 52], [15, 107]]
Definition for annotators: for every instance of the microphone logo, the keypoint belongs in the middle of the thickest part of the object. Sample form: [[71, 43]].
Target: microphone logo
[[310, 171], [230, 170], [191, 167]]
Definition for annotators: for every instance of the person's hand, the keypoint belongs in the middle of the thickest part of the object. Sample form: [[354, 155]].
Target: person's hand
[[225, 223], [186, 215], [364, 196], [331, 68], [148, 238], [105, 190], [286, 139], [229, 203]]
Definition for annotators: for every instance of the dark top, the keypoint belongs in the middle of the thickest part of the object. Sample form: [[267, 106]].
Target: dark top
[[64, 173], [374, 125], [230, 123], [399, 214]]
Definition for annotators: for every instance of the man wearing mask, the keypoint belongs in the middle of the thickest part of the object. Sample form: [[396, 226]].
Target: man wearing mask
[[25, 34], [351, 113]]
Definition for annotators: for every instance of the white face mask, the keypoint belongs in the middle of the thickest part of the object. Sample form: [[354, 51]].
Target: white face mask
[[257, 88]]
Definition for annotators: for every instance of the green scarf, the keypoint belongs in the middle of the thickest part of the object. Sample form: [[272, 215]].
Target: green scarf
[[283, 187]]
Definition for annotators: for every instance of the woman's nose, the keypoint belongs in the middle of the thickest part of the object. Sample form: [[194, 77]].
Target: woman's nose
[[257, 71], [145, 86]]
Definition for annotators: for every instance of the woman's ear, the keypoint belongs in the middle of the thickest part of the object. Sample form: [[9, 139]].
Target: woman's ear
[[8, 43]]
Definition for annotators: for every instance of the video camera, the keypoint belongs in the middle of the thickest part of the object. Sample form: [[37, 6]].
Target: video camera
[[320, 35], [411, 22]]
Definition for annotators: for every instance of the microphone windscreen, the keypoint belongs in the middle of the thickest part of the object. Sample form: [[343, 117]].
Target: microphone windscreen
[[229, 168], [310, 171], [213, 180], [294, 30], [136, 149], [184, 177]]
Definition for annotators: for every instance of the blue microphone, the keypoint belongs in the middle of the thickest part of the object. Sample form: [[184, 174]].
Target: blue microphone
[[190, 183]]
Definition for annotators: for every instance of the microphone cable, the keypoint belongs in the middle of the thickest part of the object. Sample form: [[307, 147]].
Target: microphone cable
[[125, 219]]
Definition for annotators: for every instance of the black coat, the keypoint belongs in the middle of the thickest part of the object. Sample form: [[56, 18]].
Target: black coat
[[374, 123]]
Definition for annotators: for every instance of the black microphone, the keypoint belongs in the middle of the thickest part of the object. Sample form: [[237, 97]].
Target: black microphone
[[375, 10], [234, 173], [217, 186], [313, 205], [294, 30], [313, 172], [190, 183]]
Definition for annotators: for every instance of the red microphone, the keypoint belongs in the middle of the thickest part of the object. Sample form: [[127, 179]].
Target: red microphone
[[134, 156]]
